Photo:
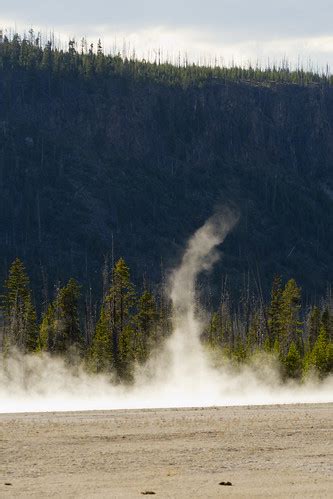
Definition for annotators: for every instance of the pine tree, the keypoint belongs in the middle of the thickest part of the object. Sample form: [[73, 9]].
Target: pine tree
[[47, 57], [68, 331], [30, 326], [275, 311], [100, 59], [47, 330], [293, 362], [60, 326], [113, 344], [321, 356], [100, 355], [126, 356], [290, 317], [145, 326], [121, 300], [313, 326], [327, 321], [19, 312]]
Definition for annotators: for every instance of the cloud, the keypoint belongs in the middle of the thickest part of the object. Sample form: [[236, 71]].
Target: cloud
[[241, 17], [236, 30]]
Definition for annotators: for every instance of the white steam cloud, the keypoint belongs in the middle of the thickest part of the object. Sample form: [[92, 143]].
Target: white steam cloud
[[179, 376]]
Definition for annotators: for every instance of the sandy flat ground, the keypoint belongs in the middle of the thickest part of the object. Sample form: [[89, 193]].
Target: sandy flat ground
[[271, 451]]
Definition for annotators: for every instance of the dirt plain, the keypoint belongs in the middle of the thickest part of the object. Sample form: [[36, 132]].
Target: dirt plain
[[264, 451]]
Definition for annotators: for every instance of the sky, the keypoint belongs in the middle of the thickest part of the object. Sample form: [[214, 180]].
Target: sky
[[229, 30]]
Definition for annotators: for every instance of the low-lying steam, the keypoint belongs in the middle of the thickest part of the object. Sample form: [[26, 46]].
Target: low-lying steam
[[179, 376]]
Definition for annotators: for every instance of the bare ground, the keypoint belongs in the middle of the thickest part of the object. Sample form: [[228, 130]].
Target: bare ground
[[271, 451]]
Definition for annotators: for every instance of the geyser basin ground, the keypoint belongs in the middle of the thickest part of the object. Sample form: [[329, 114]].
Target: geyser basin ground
[[266, 451]]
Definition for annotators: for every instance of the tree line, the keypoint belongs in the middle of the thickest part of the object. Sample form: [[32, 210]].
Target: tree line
[[81, 58], [299, 337], [128, 325]]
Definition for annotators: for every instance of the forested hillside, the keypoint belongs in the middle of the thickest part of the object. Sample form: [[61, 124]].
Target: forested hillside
[[100, 154]]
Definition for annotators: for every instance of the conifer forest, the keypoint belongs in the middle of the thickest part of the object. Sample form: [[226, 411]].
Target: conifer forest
[[109, 163], [129, 324]]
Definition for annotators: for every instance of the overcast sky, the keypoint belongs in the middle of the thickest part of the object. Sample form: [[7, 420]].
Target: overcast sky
[[232, 29]]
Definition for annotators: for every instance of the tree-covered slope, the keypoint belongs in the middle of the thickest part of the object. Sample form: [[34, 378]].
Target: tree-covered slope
[[98, 152]]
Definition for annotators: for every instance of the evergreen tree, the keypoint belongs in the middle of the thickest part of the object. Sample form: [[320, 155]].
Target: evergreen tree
[[290, 317], [100, 355], [113, 342], [126, 355], [47, 57], [327, 322], [20, 328], [100, 59], [145, 326], [121, 300], [313, 326], [47, 330], [60, 326], [293, 362], [322, 353], [275, 311]]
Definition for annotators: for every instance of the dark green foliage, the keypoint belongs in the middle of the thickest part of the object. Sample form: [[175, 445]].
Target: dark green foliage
[[321, 356], [28, 53], [69, 333], [121, 301], [47, 330], [128, 328], [314, 326], [113, 343], [275, 311], [290, 317], [298, 346], [293, 362], [60, 326], [100, 354], [100, 153], [146, 327], [16, 286], [327, 323], [95, 149], [20, 329], [131, 325]]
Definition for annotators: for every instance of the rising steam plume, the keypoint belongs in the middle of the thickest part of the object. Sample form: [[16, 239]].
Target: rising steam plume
[[181, 375]]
